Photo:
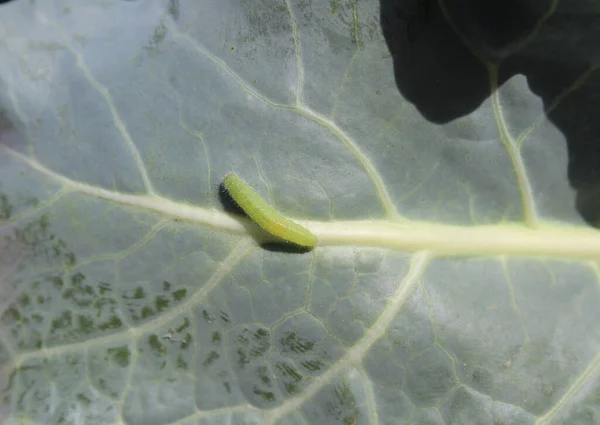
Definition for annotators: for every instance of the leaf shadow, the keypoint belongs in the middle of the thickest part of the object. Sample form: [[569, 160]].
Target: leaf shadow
[[445, 76]]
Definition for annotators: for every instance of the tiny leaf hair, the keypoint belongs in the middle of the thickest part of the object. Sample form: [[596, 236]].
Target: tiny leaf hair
[[265, 215]]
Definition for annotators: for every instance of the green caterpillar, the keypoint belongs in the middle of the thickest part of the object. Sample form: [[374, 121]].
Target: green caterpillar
[[266, 216]]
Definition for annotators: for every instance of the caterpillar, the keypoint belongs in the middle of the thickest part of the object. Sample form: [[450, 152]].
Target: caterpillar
[[265, 215]]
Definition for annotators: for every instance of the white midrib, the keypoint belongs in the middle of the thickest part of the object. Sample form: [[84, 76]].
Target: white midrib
[[545, 240]]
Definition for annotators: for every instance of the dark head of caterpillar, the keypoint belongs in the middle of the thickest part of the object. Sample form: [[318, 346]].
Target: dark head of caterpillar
[[228, 203]]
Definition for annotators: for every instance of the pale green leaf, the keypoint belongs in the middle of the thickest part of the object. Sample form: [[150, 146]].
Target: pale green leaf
[[445, 154]]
